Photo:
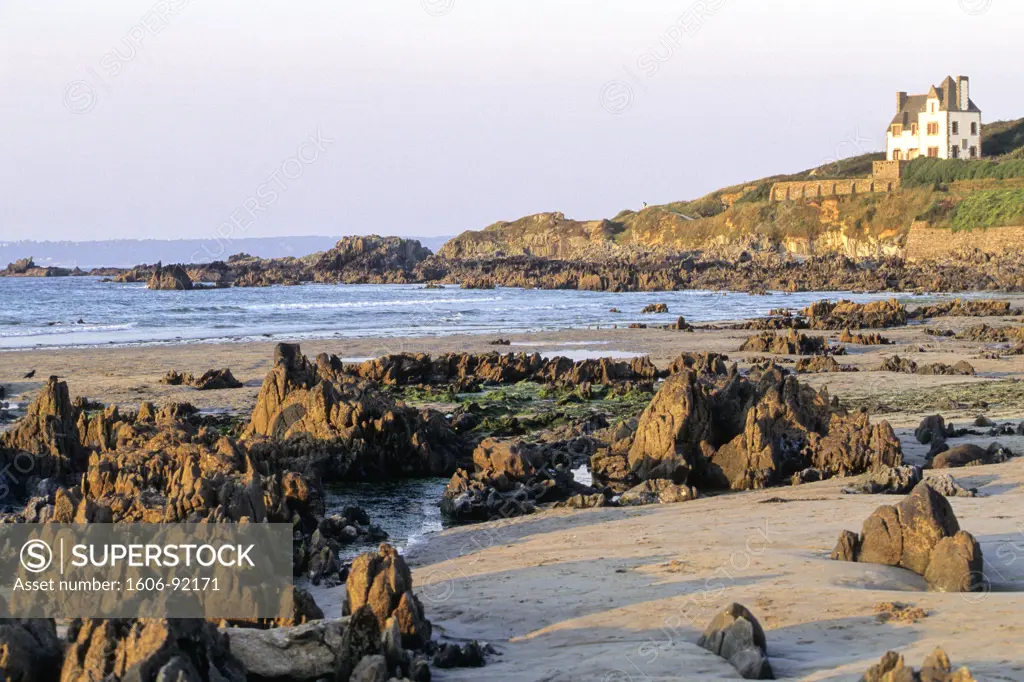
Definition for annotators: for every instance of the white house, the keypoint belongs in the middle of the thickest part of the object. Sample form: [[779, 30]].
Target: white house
[[944, 124]]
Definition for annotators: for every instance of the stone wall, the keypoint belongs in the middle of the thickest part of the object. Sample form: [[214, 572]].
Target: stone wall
[[888, 170], [931, 243], [814, 189]]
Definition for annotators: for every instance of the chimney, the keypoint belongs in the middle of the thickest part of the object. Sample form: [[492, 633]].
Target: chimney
[[901, 101], [963, 92]]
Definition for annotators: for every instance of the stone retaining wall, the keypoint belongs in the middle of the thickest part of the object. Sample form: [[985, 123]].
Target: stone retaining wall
[[931, 243], [814, 189]]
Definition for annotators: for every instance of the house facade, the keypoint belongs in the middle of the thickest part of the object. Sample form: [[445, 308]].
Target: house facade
[[944, 123]]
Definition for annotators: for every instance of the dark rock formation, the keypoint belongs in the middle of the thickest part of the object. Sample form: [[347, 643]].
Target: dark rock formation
[[735, 635], [968, 454], [849, 315], [212, 380], [908, 366], [30, 650], [654, 308], [863, 339], [920, 534], [820, 364]]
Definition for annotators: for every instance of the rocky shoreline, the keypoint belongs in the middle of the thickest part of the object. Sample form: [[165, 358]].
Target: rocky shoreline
[[510, 430]]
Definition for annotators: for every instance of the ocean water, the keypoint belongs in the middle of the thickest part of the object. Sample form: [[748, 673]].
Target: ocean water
[[78, 311]]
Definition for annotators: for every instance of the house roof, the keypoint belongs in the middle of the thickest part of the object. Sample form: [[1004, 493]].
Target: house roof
[[918, 104]]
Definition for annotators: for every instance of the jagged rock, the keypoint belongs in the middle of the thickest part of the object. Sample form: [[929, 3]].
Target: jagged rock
[[850, 315], [381, 580], [793, 343], [654, 308], [820, 364], [960, 307], [212, 380], [908, 366], [735, 635], [673, 430], [745, 432], [30, 650], [304, 652], [909, 535], [342, 427], [936, 668], [657, 491], [466, 369], [865, 339], [701, 363], [371, 669], [149, 651], [173, 277], [46, 437]]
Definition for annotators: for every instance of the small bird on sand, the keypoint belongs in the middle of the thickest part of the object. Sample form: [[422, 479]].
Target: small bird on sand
[[29, 375]]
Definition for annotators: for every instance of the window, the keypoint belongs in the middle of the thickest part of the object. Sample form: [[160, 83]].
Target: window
[[974, 152], [933, 128], [933, 152], [933, 107], [913, 129], [956, 127], [955, 152], [897, 129], [974, 129], [912, 154], [897, 154], [963, 143]]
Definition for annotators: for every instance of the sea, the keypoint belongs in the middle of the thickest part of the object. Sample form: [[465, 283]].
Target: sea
[[84, 311]]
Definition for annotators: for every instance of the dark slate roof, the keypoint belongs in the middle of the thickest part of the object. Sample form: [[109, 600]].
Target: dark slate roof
[[917, 104]]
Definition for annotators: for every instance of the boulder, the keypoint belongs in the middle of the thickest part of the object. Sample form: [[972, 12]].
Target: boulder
[[888, 480], [304, 652], [931, 429], [735, 635], [921, 534], [30, 650], [961, 456]]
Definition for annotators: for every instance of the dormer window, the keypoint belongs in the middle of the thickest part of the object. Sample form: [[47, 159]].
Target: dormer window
[[897, 129], [913, 129]]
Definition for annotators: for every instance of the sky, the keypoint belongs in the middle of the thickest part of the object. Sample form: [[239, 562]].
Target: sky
[[249, 118]]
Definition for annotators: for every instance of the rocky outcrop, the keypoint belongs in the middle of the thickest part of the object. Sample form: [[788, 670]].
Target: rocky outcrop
[[172, 277], [960, 307], [44, 443], [657, 491], [119, 650], [936, 668], [303, 653], [920, 534], [465, 369], [848, 315], [333, 424], [907, 366], [382, 582], [819, 364], [863, 339], [735, 635], [654, 308], [792, 343], [211, 380], [743, 432], [513, 478]]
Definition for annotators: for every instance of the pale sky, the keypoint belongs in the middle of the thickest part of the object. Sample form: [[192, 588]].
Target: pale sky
[[175, 118]]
